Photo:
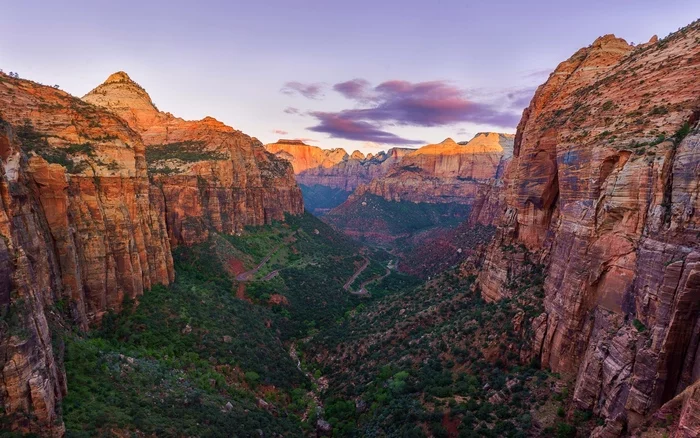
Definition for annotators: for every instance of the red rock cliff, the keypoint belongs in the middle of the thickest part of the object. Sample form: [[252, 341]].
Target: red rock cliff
[[80, 226], [603, 186], [210, 175]]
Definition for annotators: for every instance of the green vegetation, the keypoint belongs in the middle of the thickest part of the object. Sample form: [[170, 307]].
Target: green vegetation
[[194, 359], [36, 143], [182, 152], [439, 358], [376, 214]]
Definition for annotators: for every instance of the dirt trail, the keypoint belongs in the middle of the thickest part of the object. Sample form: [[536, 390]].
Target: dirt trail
[[248, 275]]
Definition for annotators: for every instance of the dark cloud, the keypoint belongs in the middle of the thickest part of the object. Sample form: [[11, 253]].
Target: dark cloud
[[292, 110], [338, 126], [420, 104], [310, 91], [280, 132]]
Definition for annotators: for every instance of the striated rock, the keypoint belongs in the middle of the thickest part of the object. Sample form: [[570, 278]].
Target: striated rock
[[80, 226], [444, 172], [334, 168], [210, 176], [304, 157], [603, 188], [82, 172]]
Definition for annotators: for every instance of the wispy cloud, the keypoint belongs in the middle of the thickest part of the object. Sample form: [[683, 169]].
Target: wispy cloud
[[279, 132], [310, 91], [292, 110]]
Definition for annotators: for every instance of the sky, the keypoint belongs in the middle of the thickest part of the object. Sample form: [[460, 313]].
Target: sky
[[365, 75]]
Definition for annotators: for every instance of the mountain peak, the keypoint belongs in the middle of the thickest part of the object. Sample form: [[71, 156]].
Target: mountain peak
[[124, 97], [119, 76]]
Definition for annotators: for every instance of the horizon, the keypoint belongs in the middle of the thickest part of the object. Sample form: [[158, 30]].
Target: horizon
[[356, 77]]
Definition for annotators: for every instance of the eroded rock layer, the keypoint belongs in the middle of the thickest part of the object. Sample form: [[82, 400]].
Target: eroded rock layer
[[81, 229], [445, 172], [334, 168], [603, 186], [211, 176]]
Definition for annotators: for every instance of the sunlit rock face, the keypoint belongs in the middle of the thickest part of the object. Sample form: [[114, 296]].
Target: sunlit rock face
[[334, 168], [444, 172], [603, 186], [81, 228], [211, 176]]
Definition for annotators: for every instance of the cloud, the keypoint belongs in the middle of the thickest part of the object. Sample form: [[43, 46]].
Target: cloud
[[338, 126], [537, 74], [280, 132], [419, 104], [292, 110], [425, 104], [310, 91], [355, 89]]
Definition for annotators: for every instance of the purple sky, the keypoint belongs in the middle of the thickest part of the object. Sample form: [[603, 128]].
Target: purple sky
[[362, 75]]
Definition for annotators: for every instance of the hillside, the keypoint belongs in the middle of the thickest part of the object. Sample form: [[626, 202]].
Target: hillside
[[209, 355]]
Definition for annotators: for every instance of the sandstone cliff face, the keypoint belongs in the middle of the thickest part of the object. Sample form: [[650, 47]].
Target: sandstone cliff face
[[445, 172], [334, 167], [603, 186], [211, 176], [81, 227]]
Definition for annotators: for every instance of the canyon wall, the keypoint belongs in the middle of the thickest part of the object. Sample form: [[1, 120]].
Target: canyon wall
[[444, 172], [603, 188], [211, 176], [82, 229], [90, 205]]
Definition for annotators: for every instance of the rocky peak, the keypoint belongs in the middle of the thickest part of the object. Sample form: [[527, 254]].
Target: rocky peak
[[127, 99], [119, 76], [357, 155]]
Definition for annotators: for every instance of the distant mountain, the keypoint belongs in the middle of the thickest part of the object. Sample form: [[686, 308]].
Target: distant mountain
[[436, 185], [330, 175]]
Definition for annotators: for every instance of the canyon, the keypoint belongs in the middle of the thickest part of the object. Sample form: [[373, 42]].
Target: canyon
[[558, 268]]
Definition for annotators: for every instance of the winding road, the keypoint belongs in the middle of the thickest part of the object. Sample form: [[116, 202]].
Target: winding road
[[357, 273]]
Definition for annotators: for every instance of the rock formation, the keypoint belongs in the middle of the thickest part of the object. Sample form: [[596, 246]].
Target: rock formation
[[334, 168], [82, 229], [603, 188], [444, 172], [210, 175]]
